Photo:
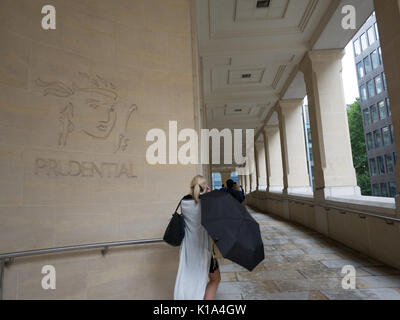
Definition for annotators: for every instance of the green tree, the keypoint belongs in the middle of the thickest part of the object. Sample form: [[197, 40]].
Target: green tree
[[359, 149]]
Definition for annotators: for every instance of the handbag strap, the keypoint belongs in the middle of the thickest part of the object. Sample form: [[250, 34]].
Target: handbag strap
[[179, 204]]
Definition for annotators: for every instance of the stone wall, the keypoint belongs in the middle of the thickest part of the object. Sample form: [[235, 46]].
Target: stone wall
[[75, 106]]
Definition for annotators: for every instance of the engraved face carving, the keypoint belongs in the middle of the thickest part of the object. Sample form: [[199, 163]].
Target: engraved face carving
[[96, 115], [92, 109]]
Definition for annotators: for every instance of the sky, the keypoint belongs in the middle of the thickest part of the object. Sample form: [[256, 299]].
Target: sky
[[349, 75]]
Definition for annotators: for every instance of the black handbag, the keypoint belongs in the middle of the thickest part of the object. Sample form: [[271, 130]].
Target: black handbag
[[176, 229]]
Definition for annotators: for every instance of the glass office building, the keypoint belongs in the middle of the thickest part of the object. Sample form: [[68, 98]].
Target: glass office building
[[375, 107]]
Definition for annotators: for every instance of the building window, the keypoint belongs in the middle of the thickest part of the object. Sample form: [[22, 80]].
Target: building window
[[378, 139], [370, 142], [374, 169], [235, 177], [386, 136], [384, 81], [379, 84], [360, 70], [388, 107], [363, 93], [375, 190], [384, 190], [389, 163], [371, 35], [393, 189], [381, 165], [382, 110], [376, 31], [380, 55], [395, 157], [367, 65], [375, 59], [364, 42], [357, 47], [216, 181], [367, 118], [374, 114], [371, 89], [391, 133]]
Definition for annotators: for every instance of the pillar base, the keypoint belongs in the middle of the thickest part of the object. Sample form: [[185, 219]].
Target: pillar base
[[337, 192], [275, 189], [298, 190]]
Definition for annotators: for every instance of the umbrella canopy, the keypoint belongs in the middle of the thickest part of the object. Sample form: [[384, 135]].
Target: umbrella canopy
[[234, 231]]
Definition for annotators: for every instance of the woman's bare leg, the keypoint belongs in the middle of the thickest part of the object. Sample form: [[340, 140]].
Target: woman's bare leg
[[212, 286]]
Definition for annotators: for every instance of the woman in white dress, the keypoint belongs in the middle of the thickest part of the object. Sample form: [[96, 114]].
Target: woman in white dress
[[197, 262]]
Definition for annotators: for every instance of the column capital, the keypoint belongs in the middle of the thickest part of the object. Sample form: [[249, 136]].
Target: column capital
[[290, 103], [313, 56]]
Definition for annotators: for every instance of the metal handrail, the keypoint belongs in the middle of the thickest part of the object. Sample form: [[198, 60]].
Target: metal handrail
[[6, 259]]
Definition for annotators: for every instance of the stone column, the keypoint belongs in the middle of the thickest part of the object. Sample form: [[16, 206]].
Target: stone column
[[294, 158], [241, 181], [388, 17], [261, 166], [267, 169], [333, 162], [274, 158], [248, 184], [254, 172]]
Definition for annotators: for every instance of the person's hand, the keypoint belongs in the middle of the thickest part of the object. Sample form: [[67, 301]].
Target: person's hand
[[208, 189]]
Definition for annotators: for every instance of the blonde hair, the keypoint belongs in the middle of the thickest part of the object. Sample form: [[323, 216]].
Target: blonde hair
[[197, 186]]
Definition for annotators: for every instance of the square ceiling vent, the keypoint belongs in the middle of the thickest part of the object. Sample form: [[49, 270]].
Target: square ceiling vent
[[263, 3], [245, 76]]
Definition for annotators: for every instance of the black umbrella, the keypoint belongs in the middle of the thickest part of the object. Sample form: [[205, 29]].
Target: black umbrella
[[234, 231]]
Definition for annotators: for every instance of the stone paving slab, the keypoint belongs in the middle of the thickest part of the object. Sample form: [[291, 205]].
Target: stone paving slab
[[232, 268], [293, 265], [284, 253], [233, 297], [269, 275], [378, 282], [313, 257], [273, 242], [228, 277], [340, 263], [302, 295], [363, 294], [382, 271], [291, 246], [301, 264], [309, 284], [243, 288], [329, 273], [321, 250]]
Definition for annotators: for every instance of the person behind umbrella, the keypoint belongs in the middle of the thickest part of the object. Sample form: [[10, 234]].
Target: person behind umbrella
[[197, 262], [230, 189]]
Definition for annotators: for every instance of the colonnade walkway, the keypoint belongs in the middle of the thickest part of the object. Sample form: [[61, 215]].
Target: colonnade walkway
[[301, 264]]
